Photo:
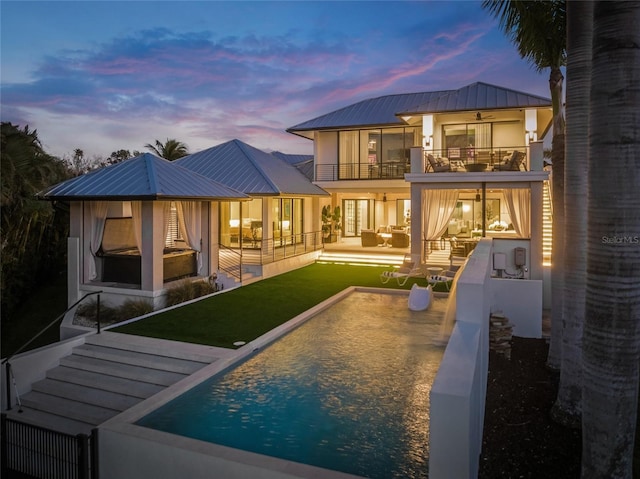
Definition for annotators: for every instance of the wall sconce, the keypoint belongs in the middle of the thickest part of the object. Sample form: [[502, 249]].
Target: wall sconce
[[384, 197], [428, 140], [478, 198], [531, 136]]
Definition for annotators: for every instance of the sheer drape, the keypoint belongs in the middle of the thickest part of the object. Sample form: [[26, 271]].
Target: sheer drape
[[519, 206], [437, 208], [483, 135], [190, 217], [98, 211], [136, 214]]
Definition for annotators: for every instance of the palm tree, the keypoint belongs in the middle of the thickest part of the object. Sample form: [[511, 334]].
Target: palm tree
[[171, 150], [567, 409], [538, 29], [611, 335]]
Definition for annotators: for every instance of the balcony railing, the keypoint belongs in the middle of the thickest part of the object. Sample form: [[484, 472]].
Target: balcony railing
[[387, 170], [473, 159], [468, 159]]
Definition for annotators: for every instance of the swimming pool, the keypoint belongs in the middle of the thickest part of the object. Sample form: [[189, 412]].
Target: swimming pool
[[347, 390]]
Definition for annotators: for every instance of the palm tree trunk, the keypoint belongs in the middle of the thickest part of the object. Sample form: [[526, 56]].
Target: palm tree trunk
[[567, 409], [611, 336], [557, 183]]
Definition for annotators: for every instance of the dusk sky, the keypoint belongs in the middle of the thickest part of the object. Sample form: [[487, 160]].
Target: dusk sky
[[104, 76]]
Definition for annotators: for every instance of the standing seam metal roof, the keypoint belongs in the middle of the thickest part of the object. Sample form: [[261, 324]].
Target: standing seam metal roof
[[250, 170], [142, 177], [387, 110]]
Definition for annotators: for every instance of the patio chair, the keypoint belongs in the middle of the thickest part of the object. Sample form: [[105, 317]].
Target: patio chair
[[445, 277], [439, 165], [407, 269], [370, 238], [511, 163]]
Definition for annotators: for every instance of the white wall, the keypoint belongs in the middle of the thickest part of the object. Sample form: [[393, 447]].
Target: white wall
[[521, 302], [459, 390]]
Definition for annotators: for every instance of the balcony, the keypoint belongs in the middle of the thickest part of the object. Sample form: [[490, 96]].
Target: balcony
[[387, 170], [449, 160], [508, 158]]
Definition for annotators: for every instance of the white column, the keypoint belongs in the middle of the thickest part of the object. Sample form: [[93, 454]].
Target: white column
[[152, 245], [416, 220]]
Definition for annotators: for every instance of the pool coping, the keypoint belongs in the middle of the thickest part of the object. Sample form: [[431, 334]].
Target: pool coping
[[124, 423]]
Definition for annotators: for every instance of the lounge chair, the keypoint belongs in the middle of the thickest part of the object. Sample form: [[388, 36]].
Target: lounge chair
[[370, 238], [406, 270], [439, 165], [511, 163], [445, 278]]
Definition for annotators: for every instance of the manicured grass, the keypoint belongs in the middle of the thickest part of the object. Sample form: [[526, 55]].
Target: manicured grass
[[248, 312]]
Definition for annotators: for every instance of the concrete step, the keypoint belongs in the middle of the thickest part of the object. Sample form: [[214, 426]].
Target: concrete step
[[112, 384], [68, 408], [134, 358], [137, 373], [162, 347], [85, 395], [50, 421]]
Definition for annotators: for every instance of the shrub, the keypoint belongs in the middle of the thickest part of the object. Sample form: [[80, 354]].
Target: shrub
[[187, 290], [132, 308]]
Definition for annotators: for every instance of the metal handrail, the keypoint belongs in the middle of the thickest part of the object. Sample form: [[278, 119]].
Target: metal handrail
[[6, 361]]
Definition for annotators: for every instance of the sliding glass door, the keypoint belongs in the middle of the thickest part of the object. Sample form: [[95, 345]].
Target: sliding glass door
[[358, 215]]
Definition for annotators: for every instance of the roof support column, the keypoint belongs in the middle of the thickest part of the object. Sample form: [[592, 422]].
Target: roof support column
[[416, 221], [152, 245]]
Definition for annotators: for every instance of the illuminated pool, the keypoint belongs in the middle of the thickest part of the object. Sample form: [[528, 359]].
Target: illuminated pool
[[347, 390]]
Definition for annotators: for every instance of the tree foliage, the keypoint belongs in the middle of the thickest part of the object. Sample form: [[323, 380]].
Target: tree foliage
[[171, 150], [33, 232]]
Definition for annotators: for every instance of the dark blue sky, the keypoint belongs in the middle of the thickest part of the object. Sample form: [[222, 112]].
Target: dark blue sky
[[102, 76]]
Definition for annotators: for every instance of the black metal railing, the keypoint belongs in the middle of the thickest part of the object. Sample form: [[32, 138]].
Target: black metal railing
[[287, 246], [9, 378], [259, 251], [386, 170], [230, 261], [42, 453]]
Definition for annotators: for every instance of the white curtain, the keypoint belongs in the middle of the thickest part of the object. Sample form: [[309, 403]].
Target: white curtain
[[483, 135], [519, 206], [190, 218], [98, 212], [437, 209], [136, 215]]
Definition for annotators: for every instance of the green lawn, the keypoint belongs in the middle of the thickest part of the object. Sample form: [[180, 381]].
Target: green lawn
[[246, 313]]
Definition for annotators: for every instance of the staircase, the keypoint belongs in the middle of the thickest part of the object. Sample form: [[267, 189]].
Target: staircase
[[360, 258], [547, 221], [108, 374]]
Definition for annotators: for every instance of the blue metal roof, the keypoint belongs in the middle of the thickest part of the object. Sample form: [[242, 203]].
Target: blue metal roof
[[387, 110], [250, 170], [291, 158], [478, 96], [145, 177], [374, 111]]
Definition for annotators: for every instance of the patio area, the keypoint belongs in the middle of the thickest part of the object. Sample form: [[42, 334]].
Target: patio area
[[351, 250]]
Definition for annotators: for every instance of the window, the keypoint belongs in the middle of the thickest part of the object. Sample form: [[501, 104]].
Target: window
[[287, 220], [174, 230], [376, 153]]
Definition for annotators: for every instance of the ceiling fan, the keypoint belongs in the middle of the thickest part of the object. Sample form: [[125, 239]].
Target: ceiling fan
[[481, 117]]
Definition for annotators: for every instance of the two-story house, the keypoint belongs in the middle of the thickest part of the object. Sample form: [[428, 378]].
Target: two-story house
[[442, 165]]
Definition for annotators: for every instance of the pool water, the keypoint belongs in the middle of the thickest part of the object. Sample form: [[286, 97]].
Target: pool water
[[348, 390]]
